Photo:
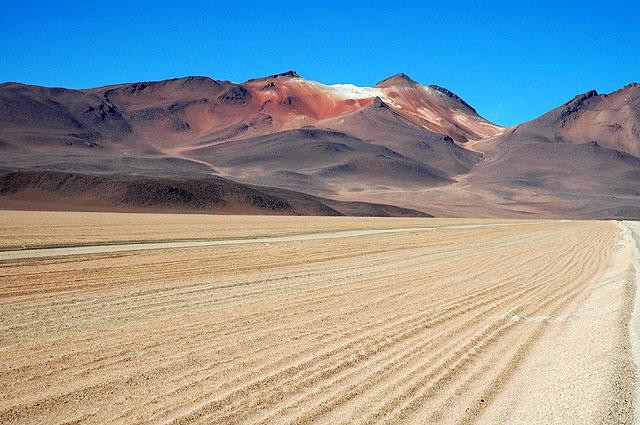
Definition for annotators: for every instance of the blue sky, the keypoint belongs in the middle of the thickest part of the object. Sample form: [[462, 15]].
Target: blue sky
[[511, 60]]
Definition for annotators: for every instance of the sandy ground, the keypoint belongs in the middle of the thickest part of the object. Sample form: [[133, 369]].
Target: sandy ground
[[469, 322], [49, 252], [24, 229]]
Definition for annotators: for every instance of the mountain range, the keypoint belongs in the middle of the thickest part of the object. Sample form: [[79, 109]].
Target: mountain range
[[285, 145]]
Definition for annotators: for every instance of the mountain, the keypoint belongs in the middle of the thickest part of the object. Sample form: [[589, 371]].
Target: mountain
[[382, 125], [400, 143], [581, 158], [281, 131]]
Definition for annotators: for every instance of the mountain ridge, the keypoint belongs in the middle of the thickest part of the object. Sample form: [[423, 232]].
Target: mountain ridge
[[398, 142]]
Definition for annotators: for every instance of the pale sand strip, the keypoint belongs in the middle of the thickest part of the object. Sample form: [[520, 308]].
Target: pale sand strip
[[634, 328]]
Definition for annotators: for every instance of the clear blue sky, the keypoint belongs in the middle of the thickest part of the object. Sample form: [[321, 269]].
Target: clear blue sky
[[510, 60]]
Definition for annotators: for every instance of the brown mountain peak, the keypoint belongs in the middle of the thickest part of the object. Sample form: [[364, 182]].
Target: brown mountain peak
[[397, 80]]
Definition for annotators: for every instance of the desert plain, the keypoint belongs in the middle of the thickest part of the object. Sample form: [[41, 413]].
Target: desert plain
[[183, 319]]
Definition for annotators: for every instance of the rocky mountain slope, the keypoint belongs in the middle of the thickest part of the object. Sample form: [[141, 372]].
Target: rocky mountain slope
[[581, 158]]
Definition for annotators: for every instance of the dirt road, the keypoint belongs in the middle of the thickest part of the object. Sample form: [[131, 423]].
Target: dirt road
[[147, 246], [473, 323]]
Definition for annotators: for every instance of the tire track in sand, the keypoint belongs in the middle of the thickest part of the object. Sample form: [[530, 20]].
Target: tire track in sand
[[398, 327]]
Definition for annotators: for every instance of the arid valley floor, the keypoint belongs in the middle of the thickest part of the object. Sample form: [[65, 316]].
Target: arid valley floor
[[176, 319]]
